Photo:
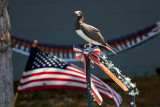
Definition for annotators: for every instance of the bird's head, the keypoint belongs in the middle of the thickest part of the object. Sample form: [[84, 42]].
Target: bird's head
[[78, 13]]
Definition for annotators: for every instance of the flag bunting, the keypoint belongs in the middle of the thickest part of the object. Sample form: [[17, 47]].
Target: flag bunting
[[65, 52]]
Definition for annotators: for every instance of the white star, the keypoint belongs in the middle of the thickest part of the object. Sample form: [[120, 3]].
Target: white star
[[132, 103], [133, 85], [128, 79]]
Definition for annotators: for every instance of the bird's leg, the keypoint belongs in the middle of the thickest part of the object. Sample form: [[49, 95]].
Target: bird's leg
[[90, 45]]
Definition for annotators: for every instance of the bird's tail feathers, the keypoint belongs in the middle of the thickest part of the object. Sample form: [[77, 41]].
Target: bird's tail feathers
[[108, 47]]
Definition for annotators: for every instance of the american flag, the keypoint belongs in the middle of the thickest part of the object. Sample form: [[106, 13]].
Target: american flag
[[44, 71]]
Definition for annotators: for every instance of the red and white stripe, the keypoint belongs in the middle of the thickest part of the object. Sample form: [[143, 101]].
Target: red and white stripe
[[79, 52], [103, 88], [70, 78]]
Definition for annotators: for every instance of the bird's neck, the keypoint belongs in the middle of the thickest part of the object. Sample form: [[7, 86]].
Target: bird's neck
[[78, 22]]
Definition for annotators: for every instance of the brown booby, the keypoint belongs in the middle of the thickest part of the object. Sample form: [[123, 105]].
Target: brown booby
[[90, 33]]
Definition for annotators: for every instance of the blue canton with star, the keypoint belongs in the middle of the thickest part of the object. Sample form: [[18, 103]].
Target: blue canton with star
[[40, 59]]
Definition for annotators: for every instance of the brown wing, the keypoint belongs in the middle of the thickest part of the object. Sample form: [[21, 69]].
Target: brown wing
[[92, 33]]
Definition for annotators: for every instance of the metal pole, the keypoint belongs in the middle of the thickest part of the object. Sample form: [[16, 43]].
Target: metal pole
[[88, 82], [133, 101]]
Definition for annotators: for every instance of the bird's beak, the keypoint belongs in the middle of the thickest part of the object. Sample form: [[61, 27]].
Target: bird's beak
[[76, 12]]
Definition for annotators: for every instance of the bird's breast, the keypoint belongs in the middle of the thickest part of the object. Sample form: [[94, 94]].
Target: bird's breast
[[85, 37], [82, 35]]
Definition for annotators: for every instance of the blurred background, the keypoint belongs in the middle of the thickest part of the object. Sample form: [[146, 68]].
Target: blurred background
[[52, 21]]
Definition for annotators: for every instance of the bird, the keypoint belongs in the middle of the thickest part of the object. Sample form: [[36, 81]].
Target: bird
[[90, 33]]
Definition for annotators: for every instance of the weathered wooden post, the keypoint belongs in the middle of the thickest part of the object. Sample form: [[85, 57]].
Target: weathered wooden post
[[6, 74]]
